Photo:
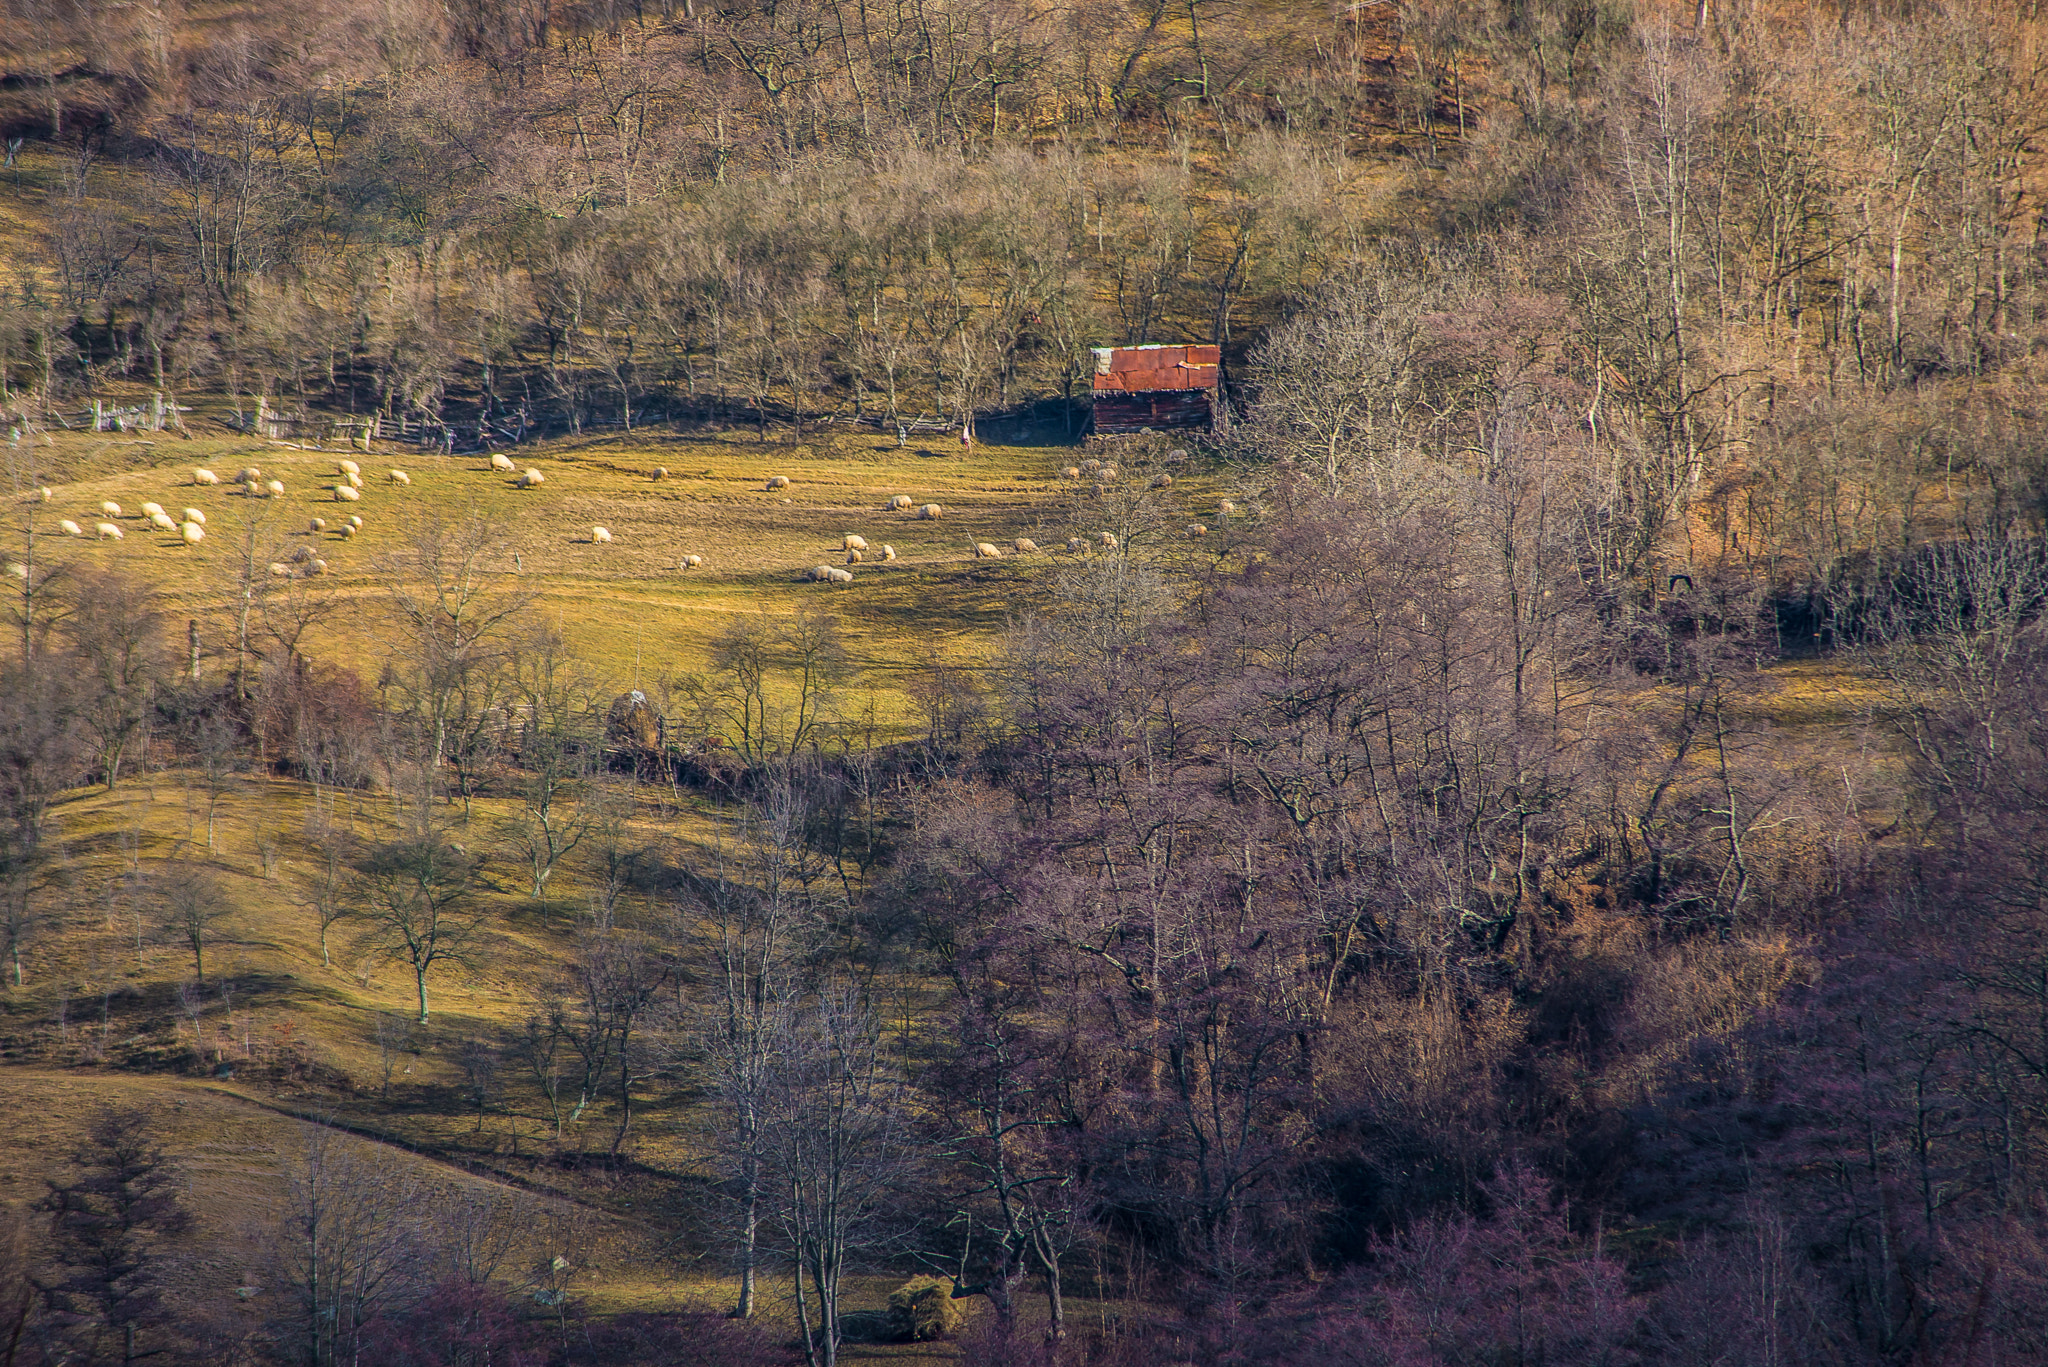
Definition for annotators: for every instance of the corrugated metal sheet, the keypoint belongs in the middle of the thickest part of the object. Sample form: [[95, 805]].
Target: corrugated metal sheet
[[1146, 369]]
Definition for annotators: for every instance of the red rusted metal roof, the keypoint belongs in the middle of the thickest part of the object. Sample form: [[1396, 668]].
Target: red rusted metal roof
[[1148, 369]]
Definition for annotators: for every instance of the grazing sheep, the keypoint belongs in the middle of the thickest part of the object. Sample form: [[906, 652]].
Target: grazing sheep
[[1107, 540], [194, 515], [838, 576], [278, 571], [107, 531], [888, 552], [347, 467], [399, 477], [987, 550], [152, 509], [1227, 508], [600, 536], [853, 557], [1076, 544], [43, 494], [1108, 473], [356, 523], [899, 503], [1024, 545], [501, 461], [344, 494], [1091, 466], [354, 481], [205, 477], [275, 488], [1071, 472], [691, 562], [531, 479], [248, 475], [850, 542], [161, 520], [111, 509], [302, 555], [317, 567], [661, 472], [193, 533], [251, 489], [930, 512], [1162, 481], [1177, 454], [318, 524], [70, 528], [344, 531], [777, 482], [1197, 529]]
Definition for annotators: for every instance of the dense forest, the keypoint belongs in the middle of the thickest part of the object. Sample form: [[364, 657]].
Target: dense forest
[[1435, 931]]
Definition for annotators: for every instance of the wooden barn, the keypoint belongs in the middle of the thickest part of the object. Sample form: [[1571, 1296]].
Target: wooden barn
[[1160, 387]]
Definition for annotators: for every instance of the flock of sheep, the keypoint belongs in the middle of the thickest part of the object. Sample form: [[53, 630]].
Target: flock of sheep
[[190, 525]]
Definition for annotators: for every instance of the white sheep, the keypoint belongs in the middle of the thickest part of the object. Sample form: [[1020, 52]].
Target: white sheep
[[205, 477], [344, 494], [1071, 472], [111, 509], [318, 524], [661, 472], [838, 576], [161, 520], [275, 488], [987, 550], [850, 542], [1108, 472], [108, 531], [777, 482], [853, 557], [150, 510], [356, 523], [317, 567], [930, 512], [1227, 508], [278, 571], [399, 477], [1076, 545], [194, 515], [193, 533], [43, 494], [70, 528], [1162, 481], [344, 531], [251, 489], [1024, 545], [819, 574], [1091, 466], [354, 481], [501, 461], [899, 503], [888, 552], [1197, 529], [347, 467], [531, 479], [691, 562], [1107, 539], [249, 475], [302, 555], [600, 536]]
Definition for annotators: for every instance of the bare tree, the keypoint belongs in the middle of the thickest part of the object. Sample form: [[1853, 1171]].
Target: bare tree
[[415, 898], [191, 902]]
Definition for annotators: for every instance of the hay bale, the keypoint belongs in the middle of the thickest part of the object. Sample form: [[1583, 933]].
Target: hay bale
[[923, 1309]]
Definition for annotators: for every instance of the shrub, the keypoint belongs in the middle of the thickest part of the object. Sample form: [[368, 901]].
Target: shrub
[[923, 1308]]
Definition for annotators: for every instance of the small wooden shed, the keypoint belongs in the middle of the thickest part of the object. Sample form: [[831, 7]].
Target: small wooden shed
[[1160, 387]]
